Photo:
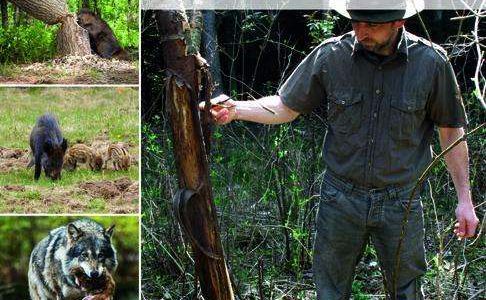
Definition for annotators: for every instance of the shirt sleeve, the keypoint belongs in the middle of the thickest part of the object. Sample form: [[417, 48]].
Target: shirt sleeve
[[303, 90], [446, 108]]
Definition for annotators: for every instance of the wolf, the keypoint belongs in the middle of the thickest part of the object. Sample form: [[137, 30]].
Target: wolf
[[48, 147], [72, 259]]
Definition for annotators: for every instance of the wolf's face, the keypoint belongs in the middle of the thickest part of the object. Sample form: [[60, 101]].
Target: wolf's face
[[92, 254]]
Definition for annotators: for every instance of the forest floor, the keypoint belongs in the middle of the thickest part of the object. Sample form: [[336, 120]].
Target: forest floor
[[96, 117], [71, 70]]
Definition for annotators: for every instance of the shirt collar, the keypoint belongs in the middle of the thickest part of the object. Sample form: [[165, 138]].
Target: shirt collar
[[402, 46]]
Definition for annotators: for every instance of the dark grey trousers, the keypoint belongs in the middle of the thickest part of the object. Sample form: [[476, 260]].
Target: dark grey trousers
[[347, 219]]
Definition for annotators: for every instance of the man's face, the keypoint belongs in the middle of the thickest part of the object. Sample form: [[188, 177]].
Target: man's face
[[377, 37]]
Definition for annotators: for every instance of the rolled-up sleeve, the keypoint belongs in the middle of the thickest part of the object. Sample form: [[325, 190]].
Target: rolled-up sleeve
[[303, 90], [446, 108]]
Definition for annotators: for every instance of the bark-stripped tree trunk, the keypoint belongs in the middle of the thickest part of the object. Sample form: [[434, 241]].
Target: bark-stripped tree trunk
[[197, 213], [3, 9], [72, 39]]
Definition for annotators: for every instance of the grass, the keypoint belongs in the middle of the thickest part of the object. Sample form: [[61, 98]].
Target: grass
[[24, 177], [8, 70], [85, 114]]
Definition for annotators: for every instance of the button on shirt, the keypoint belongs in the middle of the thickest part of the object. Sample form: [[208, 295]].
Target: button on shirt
[[381, 109]]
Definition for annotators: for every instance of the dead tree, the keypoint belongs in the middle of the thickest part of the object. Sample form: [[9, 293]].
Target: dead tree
[[193, 204], [72, 39]]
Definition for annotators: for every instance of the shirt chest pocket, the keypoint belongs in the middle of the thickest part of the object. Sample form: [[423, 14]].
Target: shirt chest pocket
[[407, 113], [345, 111]]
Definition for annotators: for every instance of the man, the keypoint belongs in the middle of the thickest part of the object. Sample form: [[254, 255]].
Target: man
[[385, 90]]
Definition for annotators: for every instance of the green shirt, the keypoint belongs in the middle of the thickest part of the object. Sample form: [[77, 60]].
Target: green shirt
[[381, 111]]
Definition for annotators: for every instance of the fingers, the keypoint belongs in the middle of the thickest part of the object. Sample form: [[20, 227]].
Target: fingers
[[459, 229], [471, 227], [220, 116], [465, 228]]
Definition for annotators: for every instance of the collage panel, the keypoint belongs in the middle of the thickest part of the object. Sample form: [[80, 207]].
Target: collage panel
[[82, 42], [69, 257], [312, 154], [69, 150]]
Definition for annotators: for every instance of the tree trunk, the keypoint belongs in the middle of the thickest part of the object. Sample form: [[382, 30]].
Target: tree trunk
[[48, 11], [210, 51], [3, 8], [199, 221], [72, 39]]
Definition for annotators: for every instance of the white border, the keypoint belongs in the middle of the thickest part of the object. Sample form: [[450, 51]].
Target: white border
[[293, 5]]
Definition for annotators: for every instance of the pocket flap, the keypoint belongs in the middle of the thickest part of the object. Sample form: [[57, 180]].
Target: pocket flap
[[346, 97], [409, 103]]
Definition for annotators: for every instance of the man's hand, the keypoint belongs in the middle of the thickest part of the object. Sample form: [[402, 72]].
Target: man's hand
[[458, 165], [223, 109], [467, 220]]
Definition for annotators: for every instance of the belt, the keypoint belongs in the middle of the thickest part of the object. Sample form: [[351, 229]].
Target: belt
[[349, 186]]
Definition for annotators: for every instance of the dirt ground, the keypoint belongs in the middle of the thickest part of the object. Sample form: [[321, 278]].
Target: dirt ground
[[73, 70], [118, 196], [13, 159]]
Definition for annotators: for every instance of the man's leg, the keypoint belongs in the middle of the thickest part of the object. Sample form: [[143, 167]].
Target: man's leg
[[340, 239], [412, 259]]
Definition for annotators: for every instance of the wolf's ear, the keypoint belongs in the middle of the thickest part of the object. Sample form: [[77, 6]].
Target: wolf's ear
[[74, 233], [64, 144], [109, 231]]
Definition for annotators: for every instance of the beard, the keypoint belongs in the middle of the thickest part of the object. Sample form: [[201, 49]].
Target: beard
[[384, 48]]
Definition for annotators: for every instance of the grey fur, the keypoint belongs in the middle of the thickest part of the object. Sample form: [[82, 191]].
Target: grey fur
[[76, 245]]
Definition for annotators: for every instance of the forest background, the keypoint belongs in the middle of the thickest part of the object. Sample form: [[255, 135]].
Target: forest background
[[266, 178], [24, 39]]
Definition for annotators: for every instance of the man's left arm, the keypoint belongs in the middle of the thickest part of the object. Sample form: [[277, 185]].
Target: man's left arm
[[457, 161]]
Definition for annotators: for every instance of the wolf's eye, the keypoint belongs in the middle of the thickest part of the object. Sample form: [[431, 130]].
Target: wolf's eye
[[101, 256], [83, 255]]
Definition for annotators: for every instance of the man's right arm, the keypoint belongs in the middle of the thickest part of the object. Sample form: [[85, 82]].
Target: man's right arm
[[266, 110]]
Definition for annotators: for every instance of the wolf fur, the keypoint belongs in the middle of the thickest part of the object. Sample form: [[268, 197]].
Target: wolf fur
[[81, 245]]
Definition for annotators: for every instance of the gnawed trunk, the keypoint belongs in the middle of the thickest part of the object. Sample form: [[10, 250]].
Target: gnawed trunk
[[72, 39]]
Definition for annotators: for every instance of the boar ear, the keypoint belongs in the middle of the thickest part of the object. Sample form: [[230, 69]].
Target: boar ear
[[109, 231], [64, 145], [74, 233], [48, 147]]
